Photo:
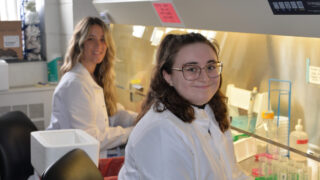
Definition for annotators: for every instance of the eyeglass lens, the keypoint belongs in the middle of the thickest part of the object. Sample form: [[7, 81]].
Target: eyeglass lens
[[192, 71]]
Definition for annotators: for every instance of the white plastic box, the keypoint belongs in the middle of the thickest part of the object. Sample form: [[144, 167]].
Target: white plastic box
[[48, 146], [244, 148]]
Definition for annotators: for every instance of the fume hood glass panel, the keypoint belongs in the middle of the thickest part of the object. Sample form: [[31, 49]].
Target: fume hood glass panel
[[250, 60]]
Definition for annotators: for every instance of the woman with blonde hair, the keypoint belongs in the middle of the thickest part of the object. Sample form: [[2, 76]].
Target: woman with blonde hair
[[85, 97]]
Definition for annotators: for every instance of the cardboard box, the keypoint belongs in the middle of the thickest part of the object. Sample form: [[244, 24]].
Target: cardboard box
[[10, 40]]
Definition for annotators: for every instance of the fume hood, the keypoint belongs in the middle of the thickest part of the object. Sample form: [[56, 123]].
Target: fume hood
[[249, 16], [255, 45]]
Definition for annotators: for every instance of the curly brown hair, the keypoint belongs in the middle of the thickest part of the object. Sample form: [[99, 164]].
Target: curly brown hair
[[163, 96]]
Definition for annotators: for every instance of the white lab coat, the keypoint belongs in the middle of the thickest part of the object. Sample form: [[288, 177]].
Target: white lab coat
[[78, 103], [161, 146]]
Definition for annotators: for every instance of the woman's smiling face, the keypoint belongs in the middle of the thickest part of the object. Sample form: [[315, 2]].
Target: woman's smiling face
[[95, 45], [202, 89]]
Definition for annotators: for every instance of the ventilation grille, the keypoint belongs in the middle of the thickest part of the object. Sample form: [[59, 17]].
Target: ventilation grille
[[34, 111]]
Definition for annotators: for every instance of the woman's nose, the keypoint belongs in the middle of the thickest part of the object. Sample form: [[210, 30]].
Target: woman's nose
[[203, 75], [98, 43]]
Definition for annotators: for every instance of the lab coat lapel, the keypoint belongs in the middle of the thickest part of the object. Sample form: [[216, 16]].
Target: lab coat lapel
[[209, 144]]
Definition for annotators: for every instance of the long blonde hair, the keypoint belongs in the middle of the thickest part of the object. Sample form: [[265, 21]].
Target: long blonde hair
[[104, 72]]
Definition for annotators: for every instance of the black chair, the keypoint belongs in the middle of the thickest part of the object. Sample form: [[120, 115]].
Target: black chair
[[74, 165], [15, 160]]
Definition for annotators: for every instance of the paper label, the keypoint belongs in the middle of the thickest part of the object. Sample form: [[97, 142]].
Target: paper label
[[314, 74], [11, 42], [166, 12]]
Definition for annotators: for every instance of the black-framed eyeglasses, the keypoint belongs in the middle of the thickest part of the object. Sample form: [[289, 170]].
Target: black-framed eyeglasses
[[192, 71]]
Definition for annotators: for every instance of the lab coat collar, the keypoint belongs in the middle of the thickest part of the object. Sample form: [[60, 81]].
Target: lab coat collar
[[204, 114], [84, 73], [202, 117], [206, 119]]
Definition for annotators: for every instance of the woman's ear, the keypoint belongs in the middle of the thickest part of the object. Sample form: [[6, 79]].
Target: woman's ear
[[167, 77]]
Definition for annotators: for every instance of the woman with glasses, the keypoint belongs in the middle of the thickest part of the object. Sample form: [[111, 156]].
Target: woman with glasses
[[183, 128]]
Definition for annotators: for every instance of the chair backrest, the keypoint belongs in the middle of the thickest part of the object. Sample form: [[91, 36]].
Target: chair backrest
[[15, 162], [74, 165]]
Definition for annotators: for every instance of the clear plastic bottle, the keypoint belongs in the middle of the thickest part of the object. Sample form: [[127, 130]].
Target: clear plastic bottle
[[292, 170], [299, 140], [283, 168], [271, 129], [300, 167], [275, 169], [264, 166]]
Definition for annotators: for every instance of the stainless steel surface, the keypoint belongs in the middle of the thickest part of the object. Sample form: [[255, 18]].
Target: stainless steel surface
[[249, 60]]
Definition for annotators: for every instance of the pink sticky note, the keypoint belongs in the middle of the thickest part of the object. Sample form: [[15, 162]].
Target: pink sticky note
[[166, 12]]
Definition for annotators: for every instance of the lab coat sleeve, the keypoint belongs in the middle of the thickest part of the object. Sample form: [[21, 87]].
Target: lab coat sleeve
[[80, 108], [123, 117], [158, 153], [113, 137]]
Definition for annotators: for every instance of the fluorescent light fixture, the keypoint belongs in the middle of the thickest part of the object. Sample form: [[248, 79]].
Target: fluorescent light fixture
[[168, 29], [204, 33], [156, 36], [192, 30], [138, 31], [211, 35], [208, 34]]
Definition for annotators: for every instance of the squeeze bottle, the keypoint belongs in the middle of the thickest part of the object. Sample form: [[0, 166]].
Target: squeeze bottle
[[299, 140]]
